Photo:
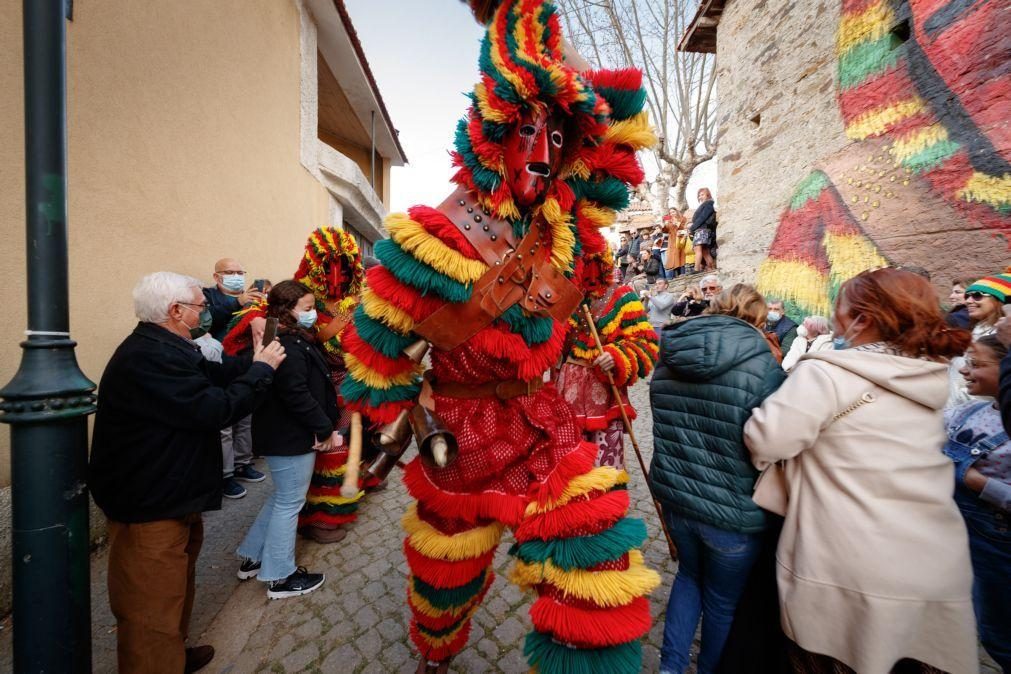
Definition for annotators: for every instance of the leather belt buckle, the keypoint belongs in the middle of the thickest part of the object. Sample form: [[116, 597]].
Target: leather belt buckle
[[502, 391]]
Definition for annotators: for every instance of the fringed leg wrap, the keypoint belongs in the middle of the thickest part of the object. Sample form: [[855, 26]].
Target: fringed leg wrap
[[450, 562], [577, 549], [324, 505]]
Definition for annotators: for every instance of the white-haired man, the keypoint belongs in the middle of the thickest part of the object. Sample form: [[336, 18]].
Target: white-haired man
[[694, 301], [156, 466]]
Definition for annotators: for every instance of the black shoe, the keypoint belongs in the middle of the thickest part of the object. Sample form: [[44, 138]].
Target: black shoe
[[198, 657], [248, 569], [232, 489], [299, 583], [247, 473]]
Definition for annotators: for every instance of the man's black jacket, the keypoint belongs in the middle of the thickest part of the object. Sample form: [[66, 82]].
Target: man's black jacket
[[156, 449], [222, 307], [301, 407]]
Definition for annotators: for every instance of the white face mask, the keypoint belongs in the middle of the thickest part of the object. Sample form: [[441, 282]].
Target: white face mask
[[774, 317], [802, 331]]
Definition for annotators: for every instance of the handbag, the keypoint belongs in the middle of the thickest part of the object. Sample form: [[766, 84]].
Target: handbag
[[771, 489]]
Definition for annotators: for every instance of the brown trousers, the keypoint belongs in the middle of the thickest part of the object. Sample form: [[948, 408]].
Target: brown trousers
[[152, 576]]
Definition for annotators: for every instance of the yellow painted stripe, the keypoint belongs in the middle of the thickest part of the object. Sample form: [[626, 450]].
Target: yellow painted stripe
[[379, 309], [434, 544], [797, 281], [917, 141], [604, 588], [850, 254], [876, 122], [871, 24], [991, 190]]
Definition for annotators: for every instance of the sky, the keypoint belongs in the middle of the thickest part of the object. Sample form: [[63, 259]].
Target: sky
[[424, 54]]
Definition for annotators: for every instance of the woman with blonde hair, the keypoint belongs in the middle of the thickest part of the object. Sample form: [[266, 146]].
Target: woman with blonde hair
[[873, 562], [713, 370]]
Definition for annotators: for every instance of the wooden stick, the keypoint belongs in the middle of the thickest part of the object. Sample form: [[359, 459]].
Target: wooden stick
[[631, 434], [349, 488]]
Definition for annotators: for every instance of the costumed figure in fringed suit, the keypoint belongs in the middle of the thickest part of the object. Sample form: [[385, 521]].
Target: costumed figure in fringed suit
[[631, 348], [331, 268], [545, 155]]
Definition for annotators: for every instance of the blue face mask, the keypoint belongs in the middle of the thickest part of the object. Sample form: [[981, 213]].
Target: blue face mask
[[842, 342], [307, 319], [234, 283]]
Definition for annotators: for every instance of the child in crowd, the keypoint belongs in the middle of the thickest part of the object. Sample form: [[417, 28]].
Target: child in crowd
[[979, 446]]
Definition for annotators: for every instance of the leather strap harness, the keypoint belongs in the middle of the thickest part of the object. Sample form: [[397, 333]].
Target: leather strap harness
[[518, 273]]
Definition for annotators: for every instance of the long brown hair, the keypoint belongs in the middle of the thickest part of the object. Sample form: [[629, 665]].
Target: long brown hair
[[741, 301], [904, 309], [282, 299]]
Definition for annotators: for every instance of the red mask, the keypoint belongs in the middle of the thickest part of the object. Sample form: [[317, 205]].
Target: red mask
[[533, 154]]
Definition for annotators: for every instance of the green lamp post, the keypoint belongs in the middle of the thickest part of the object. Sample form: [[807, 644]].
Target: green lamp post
[[49, 399]]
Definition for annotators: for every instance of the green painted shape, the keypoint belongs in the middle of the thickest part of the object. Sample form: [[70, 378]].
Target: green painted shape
[[808, 189], [867, 58], [930, 157]]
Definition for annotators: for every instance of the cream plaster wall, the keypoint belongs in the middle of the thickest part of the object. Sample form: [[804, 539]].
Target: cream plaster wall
[[775, 59], [183, 147]]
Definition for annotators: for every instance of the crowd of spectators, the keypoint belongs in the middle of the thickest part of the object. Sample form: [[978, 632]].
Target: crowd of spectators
[[845, 510], [806, 470]]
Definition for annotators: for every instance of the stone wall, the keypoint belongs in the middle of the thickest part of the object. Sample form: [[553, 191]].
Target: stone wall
[[776, 70], [860, 134]]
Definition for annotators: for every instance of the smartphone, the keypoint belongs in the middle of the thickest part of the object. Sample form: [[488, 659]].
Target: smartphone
[[270, 331], [260, 285]]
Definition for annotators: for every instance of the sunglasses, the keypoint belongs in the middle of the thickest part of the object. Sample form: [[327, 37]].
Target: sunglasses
[[975, 295]]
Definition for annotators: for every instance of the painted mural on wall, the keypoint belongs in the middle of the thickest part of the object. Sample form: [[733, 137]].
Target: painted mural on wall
[[924, 88]]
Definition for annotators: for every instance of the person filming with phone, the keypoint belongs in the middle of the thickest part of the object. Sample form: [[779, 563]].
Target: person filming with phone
[[156, 465]]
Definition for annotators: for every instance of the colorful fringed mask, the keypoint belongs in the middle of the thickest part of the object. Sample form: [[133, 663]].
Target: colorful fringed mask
[[332, 269]]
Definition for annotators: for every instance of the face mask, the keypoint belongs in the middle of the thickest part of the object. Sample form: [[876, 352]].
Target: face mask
[[204, 326], [802, 331], [233, 282], [307, 319], [842, 342], [774, 316], [533, 153]]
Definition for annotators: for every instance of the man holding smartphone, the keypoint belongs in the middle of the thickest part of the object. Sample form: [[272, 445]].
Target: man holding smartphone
[[227, 296]]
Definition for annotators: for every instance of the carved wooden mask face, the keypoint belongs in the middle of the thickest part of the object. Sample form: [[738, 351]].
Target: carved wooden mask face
[[533, 154]]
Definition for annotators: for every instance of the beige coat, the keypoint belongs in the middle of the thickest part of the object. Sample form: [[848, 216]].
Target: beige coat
[[873, 562]]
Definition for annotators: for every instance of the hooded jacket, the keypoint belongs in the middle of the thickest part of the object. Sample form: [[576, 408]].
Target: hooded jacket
[[713, 370], [873, 560]]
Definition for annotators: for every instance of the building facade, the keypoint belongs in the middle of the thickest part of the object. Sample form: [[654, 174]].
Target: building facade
[[857, 134], [197, 130]]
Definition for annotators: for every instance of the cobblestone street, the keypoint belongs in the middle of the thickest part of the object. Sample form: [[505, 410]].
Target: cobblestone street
[[358, 621]]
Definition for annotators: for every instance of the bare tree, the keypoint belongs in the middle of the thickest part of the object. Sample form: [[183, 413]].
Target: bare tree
[[681, 102]]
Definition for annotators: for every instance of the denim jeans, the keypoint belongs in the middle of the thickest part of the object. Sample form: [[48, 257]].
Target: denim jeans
[[271, 539], [713, 568], [990, 548]]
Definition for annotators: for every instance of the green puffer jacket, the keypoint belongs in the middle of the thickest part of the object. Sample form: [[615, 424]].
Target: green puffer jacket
[[713, 371]]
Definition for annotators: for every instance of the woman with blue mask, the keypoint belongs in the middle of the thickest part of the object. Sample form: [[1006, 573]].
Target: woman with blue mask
[[295, 422], [872, 564]]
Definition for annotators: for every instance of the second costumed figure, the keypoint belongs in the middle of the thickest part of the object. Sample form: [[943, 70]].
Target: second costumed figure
[[489, 278]]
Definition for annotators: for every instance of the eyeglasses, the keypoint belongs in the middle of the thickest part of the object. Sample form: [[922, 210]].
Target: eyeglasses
[[190, 304], [976, 364], [224, 272], [714, 288], [975, 295]]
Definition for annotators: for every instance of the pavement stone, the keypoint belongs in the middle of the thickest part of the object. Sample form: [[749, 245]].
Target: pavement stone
[[358, 621]]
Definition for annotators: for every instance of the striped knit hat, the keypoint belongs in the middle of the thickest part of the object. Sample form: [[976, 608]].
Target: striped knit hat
[[998, 286]]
